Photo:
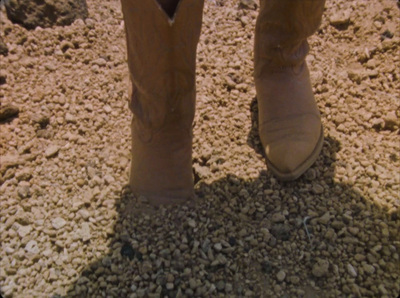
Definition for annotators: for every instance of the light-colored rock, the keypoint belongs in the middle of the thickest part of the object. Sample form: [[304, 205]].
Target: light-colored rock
[[51, 151], [281, 275], [58, 223], [351, 270], [32, 247], [321, 268]]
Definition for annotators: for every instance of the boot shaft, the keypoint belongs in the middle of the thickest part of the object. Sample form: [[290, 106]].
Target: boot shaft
[[282, 29], [161, 58]]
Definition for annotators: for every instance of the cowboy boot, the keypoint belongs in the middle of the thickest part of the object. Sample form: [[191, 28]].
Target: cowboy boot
[[289, 121], [161, 58]]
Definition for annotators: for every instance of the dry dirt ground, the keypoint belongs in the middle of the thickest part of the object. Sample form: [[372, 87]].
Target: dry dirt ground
[[65, 159]]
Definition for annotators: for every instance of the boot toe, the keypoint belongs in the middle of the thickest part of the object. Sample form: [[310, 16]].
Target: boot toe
[[291, 153]]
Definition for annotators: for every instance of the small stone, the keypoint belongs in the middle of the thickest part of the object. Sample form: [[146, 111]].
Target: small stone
[[218, 246], [31, 14], [58, 223], [324, 219], [192, 223], [391, 121], [51, 151], [357, 75], [23, 190], [41, 119], [320, 268], [32, 247], [84, 232], [165, 253], [8, 111], [192, 283], [278, 217], [359, 257], [84, 213], [340, 18], [280, 232], [100, 62], [351, 270], [385, 232], [109, 179], [248, 4], [311, 174], [65, 45], [3, 47], [228, 287], [141, 292], [353, 230], [3, 76], [202, 172], [220, 285], [281, 275], [90, 23], [9, 161], [169, 286], [294, 280], [70, 118], [50, 66], [338, 225], [382, 289], [23, 231], [80, 182], [369, 268], [317, 189], [107, 109], [24, 175]]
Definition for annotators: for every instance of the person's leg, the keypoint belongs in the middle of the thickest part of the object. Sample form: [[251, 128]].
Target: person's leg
[[161, 60], [289, 121]]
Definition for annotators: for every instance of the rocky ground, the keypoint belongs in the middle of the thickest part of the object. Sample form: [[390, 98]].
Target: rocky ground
[[65, 141]]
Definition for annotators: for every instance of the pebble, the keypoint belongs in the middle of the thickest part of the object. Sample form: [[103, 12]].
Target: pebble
[[228, 287], [220, 285], [351, 270], [246, 225], [248, 4], [24, 190], [51, 151], [8, 111], [281, 275], [3, 80], [70, 118], [24, 175], [58, 223], [324, 219], [317, 189], [369, 268], [320, 268], [340, 18], [192, 223], [84, 232], [278, 217], [32, 247], [24, 231], [218, 246]]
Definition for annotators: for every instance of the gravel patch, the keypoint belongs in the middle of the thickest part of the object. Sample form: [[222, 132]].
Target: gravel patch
[[69, 227]]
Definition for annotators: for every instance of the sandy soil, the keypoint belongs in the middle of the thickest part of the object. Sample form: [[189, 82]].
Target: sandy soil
[[64, 231]]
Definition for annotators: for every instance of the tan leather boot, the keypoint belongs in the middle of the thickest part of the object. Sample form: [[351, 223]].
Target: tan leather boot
[[289, 121], [161, 59]]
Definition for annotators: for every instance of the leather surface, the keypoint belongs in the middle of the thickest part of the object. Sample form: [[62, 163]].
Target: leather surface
[[289, 120], [161, 59]]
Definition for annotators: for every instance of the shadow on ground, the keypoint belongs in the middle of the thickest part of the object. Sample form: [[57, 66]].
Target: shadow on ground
[[152, 253]]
